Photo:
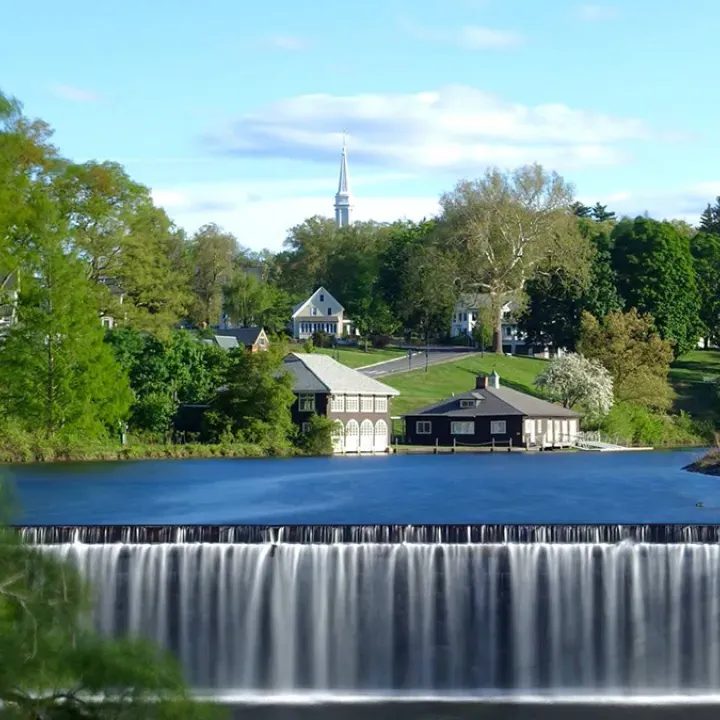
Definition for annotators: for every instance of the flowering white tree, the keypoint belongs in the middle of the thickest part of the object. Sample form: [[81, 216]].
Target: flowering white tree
[[577, 381]]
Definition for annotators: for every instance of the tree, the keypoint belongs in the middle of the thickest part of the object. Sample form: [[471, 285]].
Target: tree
[[557, 299], [656, 275], [429, 291], [577, 381], [165, 373], [710, 219], [600, 213], [317, 438], [503, 226], [705, 248], [255, 405], [637, 358], [213, 253], [53, 665], [246, 299], [580, 210], [127, 243], [58, 375]]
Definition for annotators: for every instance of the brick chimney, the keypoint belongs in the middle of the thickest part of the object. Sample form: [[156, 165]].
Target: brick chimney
[[481, 382]]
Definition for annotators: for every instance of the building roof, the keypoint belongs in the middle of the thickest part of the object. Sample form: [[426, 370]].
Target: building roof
[[316, 373], [309, 301], [496, 402], [242, 336]]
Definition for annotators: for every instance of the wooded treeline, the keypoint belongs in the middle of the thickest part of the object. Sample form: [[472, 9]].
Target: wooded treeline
[[81, 241]]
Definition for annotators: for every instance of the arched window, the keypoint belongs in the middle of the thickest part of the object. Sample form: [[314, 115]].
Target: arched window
[[381, 436], [338, 436], [352, 436], [367, 432]]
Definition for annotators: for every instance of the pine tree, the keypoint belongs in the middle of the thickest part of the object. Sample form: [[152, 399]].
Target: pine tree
[[710, 219], [600, 213]]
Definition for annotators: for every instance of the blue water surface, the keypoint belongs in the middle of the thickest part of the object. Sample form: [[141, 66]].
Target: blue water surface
[[634, 487]]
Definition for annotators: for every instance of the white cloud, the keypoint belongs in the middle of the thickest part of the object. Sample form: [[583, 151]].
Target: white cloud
[[596, 13], [287, 42], [75, 94], [456, 129], [681, 204], [482, 38]]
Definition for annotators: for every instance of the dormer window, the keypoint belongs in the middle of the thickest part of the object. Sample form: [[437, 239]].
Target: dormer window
[[467, 403]]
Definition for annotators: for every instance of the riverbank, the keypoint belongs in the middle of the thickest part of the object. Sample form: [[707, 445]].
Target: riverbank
[[708, 465], [51, 454]]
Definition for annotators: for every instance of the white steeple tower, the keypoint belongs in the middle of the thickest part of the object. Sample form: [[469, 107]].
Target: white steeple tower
[[343, 198]]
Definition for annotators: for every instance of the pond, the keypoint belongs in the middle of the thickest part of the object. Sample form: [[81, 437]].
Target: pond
[[633, 487]]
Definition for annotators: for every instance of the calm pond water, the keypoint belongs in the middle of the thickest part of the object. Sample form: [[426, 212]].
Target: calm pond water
[[504, 488]]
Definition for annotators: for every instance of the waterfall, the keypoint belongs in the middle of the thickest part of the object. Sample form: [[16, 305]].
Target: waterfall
[[443, 617]]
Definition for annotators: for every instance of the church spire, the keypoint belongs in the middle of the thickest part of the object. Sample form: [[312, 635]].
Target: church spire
[[343, 198]]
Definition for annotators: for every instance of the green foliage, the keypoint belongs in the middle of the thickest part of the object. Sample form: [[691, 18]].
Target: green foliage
[[638, 425], [635, 355], [309, 345], [710, 219], [165, 373], [58, 375], [52, 664], [705, 249], [255, 405], [656, 275], [317, 438]]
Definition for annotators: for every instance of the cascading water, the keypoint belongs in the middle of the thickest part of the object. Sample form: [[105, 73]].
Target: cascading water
[[415, 617]]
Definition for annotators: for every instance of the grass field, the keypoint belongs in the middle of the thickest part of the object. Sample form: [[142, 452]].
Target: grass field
[[419, 388], [357, 358], [688, 377]]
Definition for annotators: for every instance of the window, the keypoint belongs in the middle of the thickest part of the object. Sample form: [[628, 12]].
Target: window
[[498, 427], [337, 403], [313, 311], [352, 404], [467, 403], [423, 427], [306, 427], [366, 403], [322, 298], [381, 405], [306, 403], [261, 341], [538, 426], [462, 427], [329, 310]]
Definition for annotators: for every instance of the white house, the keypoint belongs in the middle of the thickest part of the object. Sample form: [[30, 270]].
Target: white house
[[321, 312], [466, 317]]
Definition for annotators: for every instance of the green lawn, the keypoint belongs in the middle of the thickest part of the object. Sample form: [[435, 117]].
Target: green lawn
[[693, 393], [356, 357], [419, 388]]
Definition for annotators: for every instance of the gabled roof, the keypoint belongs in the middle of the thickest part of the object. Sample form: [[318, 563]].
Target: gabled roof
[[243, 336], [316, 373], [496, 402], [329, 299]]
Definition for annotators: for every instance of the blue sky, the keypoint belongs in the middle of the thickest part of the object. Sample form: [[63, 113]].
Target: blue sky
[[233, 112]]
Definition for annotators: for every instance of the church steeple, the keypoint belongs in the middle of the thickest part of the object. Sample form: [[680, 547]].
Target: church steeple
[[343, 198]]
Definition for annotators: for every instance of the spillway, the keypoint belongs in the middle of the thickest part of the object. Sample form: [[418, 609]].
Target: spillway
[[429, 610]]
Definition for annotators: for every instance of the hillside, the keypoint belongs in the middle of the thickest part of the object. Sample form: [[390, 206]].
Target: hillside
[[419, 388], [690, 377]]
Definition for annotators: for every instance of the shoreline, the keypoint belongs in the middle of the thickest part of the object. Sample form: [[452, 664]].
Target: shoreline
[[707, 465]]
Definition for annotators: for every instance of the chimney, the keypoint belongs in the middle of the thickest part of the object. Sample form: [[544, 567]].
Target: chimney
[[481, 382], [494, 380]]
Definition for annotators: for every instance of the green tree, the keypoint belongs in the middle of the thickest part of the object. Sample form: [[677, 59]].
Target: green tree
[[600, 213], [710, 219], [505, 225], [638, 359], [59, 377], [131, 248], [165, 373], [213, 253], [317, 438], [656, 275], [246, 299], [255, 405], [52, 665], [580, 210], [705, 248]]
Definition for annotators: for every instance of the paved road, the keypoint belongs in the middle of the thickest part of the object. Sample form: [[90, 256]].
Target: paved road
[[415, 361]]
